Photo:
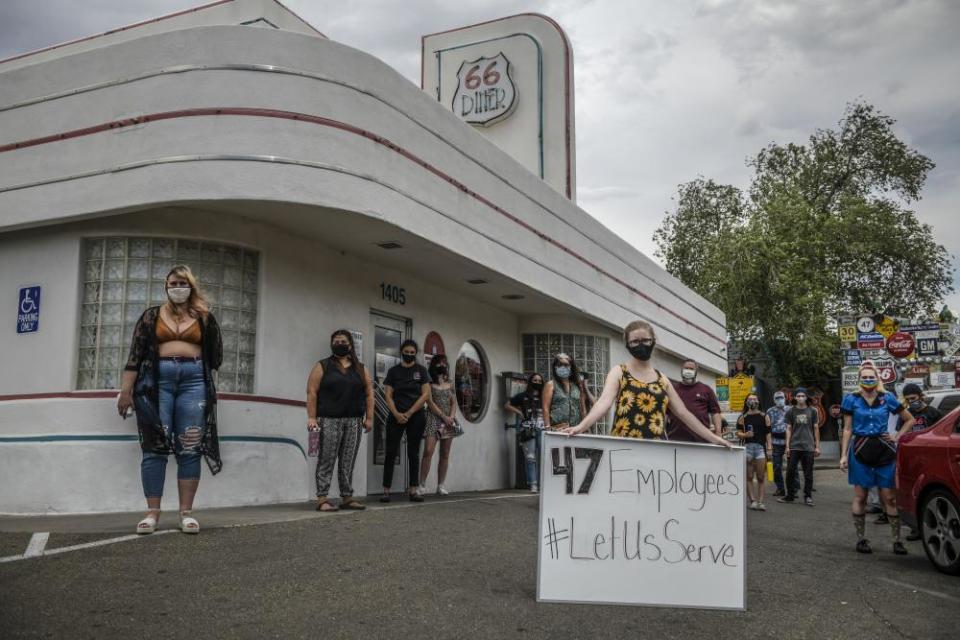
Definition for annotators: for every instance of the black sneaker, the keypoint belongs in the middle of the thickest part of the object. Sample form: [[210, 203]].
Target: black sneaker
[[874, 509], [882, 519], [385, 497], [778, 493], [414, 497], [899, 549], [787, 499], [863, 546], [914, 535]]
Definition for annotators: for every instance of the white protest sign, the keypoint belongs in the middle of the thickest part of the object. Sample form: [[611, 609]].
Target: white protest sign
[[628, 521]]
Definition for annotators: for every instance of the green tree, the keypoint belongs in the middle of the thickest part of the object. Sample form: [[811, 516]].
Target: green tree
[[823, 229]]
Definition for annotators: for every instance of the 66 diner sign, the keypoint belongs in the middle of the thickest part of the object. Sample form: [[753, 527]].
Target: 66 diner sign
[[485, 91]]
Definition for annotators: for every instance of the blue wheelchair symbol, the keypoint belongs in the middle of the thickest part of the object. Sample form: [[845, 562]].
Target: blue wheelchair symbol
[[28, 311]]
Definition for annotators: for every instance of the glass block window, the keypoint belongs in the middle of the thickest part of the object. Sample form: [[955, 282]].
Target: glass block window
[[591, 353], [124, 276]]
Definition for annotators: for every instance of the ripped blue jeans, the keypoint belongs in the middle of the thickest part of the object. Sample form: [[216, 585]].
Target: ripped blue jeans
[[531, 455], [182, 401]]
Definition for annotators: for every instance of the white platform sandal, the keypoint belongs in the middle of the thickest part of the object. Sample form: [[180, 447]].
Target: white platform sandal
[[188, 524], [147, 525]]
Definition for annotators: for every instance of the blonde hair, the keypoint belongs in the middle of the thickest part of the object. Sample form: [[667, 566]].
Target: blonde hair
[[638, 324], [197, 302], [868, 364]]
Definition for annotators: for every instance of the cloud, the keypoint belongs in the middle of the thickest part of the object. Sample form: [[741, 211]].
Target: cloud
[[665, 91]]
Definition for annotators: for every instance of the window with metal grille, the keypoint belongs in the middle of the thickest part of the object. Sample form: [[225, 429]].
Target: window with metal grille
[[124, 276], [591, 353]]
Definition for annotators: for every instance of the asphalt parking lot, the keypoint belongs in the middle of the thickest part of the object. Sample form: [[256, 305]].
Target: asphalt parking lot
[[460, 567]]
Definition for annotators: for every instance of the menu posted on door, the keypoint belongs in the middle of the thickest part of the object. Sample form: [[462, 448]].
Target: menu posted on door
[[627, 521]]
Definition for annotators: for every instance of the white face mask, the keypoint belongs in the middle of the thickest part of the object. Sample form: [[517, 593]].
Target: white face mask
[[688, 374], [178, 295]]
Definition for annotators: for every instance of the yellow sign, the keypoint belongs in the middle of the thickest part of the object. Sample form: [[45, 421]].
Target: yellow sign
[[740, 387], [723, 390], [847, 332], [887, 327]]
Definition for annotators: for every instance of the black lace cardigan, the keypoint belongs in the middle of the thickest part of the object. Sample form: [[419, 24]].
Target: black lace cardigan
[[144, 358]]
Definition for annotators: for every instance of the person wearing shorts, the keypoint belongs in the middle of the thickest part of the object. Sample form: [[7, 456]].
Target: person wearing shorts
[[753, 429], [868, 451]]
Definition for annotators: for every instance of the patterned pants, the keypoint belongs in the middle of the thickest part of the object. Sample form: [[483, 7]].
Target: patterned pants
[[339, 442]]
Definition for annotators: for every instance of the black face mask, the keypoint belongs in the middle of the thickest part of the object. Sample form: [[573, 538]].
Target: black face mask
[[642, 351], [340, 350], [536, 386], [441, 371], [408, 357]]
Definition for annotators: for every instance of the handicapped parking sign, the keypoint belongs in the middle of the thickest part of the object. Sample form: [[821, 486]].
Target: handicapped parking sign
[[28, 310]]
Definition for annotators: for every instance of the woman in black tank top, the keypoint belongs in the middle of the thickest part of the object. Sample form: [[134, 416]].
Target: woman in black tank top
[[753, 429], [339, 405]]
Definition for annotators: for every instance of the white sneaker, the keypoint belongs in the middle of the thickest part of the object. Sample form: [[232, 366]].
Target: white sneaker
[[534, 489], [761, 506], [442, 491], [419, 491], [753, 505]]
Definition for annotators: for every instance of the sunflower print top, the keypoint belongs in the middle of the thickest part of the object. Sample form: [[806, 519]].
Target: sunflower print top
[[641, 407]]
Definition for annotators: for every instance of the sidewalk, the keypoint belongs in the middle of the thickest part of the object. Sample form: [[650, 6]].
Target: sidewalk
[[216, 518]]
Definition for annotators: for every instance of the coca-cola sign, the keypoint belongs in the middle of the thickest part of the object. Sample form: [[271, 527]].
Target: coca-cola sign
[[900, 344]]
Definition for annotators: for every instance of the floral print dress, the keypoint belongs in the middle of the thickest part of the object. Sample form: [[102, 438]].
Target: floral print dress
[[641, 407]]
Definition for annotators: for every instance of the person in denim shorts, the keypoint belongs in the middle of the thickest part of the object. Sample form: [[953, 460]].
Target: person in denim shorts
[[753, 428]]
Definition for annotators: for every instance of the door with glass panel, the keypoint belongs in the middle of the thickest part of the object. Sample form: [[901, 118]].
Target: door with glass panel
[[389, 332]]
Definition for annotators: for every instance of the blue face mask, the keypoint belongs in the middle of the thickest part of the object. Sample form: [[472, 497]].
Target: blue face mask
[[780, 401], [562, 372]]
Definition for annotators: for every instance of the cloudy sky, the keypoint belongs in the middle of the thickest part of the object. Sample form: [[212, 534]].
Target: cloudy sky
[[666, 91]]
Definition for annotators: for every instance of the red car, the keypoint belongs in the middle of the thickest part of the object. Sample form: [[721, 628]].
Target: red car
[[928, 486]]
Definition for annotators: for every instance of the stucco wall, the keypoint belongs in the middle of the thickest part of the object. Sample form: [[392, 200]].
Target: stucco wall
[[306, 291]]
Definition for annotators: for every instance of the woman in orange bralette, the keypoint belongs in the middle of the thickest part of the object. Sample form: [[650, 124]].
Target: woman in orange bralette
[[168, 381]]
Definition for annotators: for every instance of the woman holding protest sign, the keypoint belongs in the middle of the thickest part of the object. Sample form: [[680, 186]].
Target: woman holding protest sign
[[874, 451], [642, 395]]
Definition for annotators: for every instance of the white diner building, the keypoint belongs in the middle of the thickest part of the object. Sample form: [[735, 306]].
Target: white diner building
[[311, 187]]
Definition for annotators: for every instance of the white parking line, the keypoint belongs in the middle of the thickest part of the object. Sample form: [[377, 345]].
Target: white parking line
[[936, 594], [37, 546], [86, 545], [38, 542]]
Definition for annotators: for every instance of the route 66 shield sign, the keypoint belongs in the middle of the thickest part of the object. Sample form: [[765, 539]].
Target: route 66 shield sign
[[485, 91]]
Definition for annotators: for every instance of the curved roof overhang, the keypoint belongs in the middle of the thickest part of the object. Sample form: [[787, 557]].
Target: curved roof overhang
[[215, 115]]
